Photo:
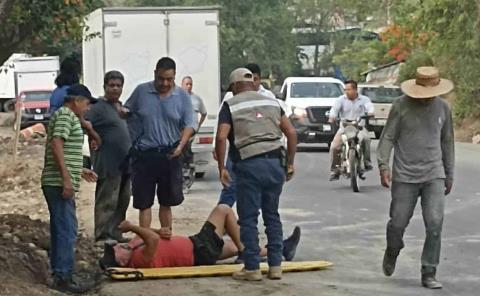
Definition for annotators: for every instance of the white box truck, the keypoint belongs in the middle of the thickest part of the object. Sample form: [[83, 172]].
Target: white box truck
[[131, 40], [22, 72]]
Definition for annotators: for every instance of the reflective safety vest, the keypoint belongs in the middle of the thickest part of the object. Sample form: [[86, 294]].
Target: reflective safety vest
[[256, 123]]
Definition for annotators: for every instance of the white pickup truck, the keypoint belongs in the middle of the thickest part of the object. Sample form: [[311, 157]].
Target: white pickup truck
[[308, 102]]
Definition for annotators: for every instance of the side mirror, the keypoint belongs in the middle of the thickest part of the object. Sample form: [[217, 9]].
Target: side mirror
[[280, 96], [278, 93]]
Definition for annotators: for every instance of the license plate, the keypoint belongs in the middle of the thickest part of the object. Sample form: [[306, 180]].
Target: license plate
[[327, 128], [38, 117]]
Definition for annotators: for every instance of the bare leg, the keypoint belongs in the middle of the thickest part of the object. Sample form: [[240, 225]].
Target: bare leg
[[165, 216], [145, 218], [225, 221]]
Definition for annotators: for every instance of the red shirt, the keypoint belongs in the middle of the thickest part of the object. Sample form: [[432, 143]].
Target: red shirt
[[176, 252]]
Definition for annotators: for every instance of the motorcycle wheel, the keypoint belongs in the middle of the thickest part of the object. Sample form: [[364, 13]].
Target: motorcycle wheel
[[352, 161], [188, 176]]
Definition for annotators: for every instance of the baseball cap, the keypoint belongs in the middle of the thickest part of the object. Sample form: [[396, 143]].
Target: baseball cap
[[241, 75], [80, 90]]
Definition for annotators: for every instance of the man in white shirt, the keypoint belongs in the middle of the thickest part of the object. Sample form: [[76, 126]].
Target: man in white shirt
[[199, 110], [255, 69], [350, 106]]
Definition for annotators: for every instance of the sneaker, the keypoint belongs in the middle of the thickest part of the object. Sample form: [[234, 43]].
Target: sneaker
[[290, 244], [69, 285], [248, 275], [334, 176], [429, 281], [108, 259], [275, 272], [389, 261]]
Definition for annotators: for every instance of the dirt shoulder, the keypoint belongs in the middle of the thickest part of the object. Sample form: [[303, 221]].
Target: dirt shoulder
[[24, 228]]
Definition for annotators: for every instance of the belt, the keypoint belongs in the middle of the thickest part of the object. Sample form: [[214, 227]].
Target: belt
[[159, 150], [277, 153]]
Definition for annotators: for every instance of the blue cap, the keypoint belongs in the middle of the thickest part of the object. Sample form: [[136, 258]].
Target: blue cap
[[81, 90]]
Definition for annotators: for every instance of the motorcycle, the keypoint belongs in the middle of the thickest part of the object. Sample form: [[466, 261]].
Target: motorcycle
[[352, 165], [188, 168]]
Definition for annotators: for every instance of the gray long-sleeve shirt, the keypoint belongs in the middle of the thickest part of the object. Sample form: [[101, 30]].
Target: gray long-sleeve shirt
[[422, 137]]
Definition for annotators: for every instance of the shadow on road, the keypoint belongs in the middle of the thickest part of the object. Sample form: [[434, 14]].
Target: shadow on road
[[310, 149]]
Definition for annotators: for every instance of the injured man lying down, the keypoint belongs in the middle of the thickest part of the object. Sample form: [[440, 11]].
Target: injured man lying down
[[154, 248]]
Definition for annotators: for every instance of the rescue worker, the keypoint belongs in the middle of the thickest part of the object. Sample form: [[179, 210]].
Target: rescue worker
[[253, 125]]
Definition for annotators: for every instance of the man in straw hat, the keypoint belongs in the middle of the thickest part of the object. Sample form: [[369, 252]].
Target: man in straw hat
[[419, 128]]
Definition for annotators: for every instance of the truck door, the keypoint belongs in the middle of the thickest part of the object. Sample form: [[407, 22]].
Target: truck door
[[134, 41]]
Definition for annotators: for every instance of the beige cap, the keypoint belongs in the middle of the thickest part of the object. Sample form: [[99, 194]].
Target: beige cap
[[241, 74]]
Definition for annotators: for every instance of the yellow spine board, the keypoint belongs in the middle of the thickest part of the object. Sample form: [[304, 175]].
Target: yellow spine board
[[206, 271]]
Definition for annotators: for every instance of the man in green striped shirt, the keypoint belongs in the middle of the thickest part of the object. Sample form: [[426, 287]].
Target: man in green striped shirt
[[61, 179]]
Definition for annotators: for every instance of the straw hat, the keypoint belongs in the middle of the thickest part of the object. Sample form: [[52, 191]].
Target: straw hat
[[427, 84]]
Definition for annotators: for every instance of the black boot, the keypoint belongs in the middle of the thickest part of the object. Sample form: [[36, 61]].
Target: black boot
[[389, 261], [429, 280], [66, 284], [108, 259], [291, 243]]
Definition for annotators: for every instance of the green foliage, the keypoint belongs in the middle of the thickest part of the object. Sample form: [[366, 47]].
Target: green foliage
[[409, 68], [44, 27], [455, 47], [361, 56]]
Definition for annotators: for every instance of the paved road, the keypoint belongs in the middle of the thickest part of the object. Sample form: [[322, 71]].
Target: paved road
[[349, 229]]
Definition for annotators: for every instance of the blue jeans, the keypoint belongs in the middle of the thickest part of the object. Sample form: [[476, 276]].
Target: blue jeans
[[404, 200], [259, 184], [228, 194], [63, 230]]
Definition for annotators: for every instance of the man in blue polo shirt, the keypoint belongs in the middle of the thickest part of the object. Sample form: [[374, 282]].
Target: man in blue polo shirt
[[160, 119]]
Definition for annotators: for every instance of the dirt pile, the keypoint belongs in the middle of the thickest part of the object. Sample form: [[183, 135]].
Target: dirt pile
[[24, 229], [24, 248], [20, 181]]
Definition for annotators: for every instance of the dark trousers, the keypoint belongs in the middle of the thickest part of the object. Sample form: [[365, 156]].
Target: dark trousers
[[112, 197], [63, 230], [404, 200], [259, 184]]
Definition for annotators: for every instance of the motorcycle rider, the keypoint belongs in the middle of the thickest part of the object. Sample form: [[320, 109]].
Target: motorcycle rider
[[350, 106]]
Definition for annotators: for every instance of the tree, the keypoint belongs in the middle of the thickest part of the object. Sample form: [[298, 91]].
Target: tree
[[454, 45], [43, 27], [250, 31]]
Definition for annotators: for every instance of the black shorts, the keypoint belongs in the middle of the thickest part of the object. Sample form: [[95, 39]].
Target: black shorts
[[207, 245], [155, 172]]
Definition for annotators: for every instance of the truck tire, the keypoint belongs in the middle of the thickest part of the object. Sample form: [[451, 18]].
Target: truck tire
[[9, 106], [352, 161]]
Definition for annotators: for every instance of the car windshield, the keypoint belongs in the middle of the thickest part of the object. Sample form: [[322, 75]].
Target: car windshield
[[315, 90], [381, 94], [37, 96]]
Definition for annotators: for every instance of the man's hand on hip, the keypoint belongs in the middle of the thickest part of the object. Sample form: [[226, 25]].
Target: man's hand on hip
[[385, 178], [177, 152]]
